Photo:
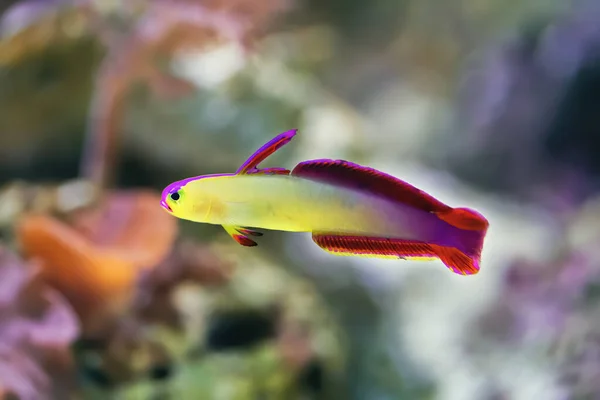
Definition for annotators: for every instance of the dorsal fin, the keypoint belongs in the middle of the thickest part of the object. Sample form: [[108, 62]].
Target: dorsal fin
[[354, 176], [250, 165], [269, 171]]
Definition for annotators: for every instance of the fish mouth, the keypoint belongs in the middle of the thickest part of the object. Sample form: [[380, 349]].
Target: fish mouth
[[166, 206]]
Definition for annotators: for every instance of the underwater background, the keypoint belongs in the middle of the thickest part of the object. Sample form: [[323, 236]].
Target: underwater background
[[487, 104]]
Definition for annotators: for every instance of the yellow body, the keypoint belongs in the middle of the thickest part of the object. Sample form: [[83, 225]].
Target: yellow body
[[287, 203]]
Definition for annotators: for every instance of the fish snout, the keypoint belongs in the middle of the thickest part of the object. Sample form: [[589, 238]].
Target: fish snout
[[164, 204]]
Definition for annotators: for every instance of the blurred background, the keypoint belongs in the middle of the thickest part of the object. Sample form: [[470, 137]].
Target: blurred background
[[489, 104]]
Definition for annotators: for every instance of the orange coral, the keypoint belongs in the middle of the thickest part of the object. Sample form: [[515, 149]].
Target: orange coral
[[95, 260]]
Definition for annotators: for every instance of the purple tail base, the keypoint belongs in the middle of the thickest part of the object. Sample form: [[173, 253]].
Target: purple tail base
[[472, 227]]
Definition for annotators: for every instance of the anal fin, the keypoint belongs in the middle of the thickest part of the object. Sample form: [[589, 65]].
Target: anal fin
[[382, 247], [242, 235]]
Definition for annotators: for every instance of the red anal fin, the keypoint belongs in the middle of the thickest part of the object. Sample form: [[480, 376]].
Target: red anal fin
[[380, 247], [241, 235], [354, 176], [373, 246], [265, 151], [269, 171]]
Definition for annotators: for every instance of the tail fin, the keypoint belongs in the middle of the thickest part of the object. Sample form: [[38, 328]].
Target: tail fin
[[457, 261], [464, 260]]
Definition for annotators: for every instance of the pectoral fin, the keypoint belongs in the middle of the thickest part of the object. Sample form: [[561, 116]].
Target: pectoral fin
[[241, 235]]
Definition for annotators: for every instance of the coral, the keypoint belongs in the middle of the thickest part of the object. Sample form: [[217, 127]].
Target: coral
[[95, 259], [37, 326], [194, 313]]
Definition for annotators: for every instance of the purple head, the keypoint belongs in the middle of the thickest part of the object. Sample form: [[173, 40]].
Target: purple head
[[171, 194]]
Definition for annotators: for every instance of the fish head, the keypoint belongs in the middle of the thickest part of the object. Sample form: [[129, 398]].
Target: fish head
[[173, 199], [192, 199]]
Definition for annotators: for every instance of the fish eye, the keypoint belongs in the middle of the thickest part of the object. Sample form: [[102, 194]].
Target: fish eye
[[175, 196]]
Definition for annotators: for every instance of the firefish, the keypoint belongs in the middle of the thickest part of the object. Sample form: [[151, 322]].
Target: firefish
[[349, 209]]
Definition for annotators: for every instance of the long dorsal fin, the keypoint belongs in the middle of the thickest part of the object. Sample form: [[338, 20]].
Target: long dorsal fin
[[354, 176], [250, 165]]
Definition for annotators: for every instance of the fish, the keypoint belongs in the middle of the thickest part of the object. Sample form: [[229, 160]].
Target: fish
[[349, 209]]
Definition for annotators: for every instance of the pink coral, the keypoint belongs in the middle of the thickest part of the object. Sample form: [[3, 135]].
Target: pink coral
[[37, 327]]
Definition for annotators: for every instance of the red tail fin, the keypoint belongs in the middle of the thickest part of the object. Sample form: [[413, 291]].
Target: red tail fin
[[474, 227], [456, 260]]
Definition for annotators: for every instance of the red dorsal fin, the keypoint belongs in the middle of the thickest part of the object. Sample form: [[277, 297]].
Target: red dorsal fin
[[354, 176], [251, 164]]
